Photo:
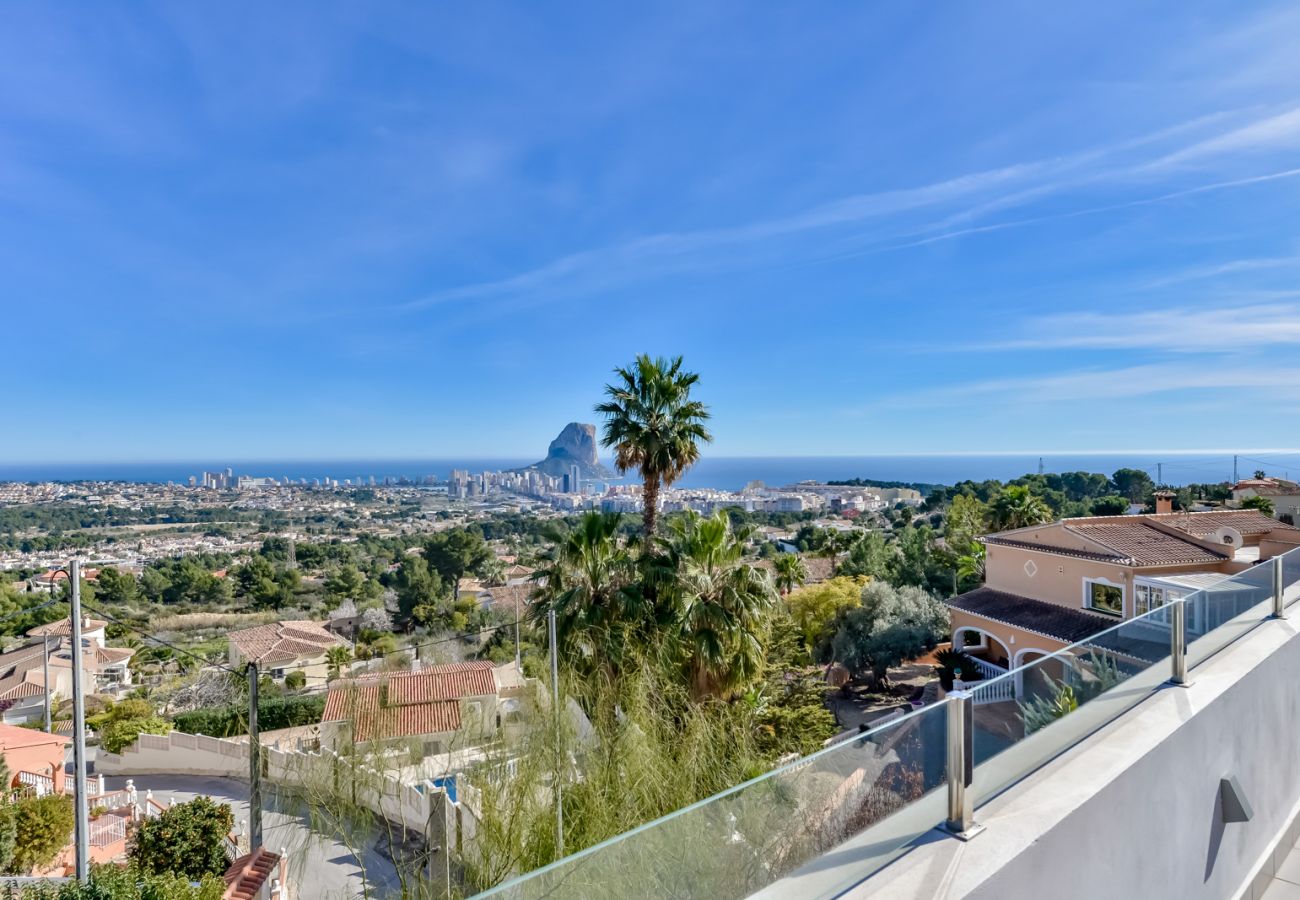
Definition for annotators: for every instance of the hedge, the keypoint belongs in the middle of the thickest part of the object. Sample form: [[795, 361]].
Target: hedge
[[272, 713]]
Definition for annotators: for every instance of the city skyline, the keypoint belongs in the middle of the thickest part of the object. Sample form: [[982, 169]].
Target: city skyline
[[311, 233]]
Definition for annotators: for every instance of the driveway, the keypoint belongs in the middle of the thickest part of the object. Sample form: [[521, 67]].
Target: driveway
[[318, 866]]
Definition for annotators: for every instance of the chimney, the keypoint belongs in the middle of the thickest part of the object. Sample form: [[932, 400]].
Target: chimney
[[1165, 502]]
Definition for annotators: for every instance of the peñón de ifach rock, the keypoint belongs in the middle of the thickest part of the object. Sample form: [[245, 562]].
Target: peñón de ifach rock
[[575, 445]]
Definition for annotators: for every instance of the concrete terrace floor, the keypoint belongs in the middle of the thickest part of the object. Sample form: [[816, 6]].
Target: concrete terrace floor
[[318, 866], [1286, 880]]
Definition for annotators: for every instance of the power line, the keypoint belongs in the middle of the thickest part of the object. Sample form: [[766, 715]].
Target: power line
[[29, 609], [147, 635]]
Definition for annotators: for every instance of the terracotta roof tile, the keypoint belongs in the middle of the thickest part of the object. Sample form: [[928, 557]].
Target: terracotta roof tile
[[285, 641], [1051, 548], [408, 704], [1048, 619], [247, 874], [63, 627], [1141, 544], [362, 704], [1203, 524]]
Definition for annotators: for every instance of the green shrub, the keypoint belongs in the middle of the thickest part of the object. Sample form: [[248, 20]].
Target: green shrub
[[186, 839], [117, 735], [110, 882], [42, 826], [295, 681], [272, 713]]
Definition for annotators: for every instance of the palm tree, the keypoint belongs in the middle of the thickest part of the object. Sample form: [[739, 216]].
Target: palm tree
[[790, 572], [336, 658], [719, 601], [588, 578], [654, 426], [1018, 507], [971, 563]]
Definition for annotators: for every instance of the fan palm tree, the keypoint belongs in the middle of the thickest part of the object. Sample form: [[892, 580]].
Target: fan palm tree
[[1018, 507], [971, 563], [654, 426], [719, 601], [790, 572], [336, 658], [588, 578]]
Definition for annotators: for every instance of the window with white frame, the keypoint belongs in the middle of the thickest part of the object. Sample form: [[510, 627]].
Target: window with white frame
[[1103, 597], [1147, 597]]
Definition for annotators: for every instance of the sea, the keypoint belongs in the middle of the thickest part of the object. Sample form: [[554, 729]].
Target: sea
[[721, 472]]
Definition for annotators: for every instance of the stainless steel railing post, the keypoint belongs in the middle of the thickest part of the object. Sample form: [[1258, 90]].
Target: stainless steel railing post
[[961, 765], [1278, 610], [1178, 643]]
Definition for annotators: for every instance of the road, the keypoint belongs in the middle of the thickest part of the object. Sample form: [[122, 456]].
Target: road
[[318, 866]]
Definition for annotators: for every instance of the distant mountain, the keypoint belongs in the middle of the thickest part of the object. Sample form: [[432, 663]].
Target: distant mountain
[[575, 445]]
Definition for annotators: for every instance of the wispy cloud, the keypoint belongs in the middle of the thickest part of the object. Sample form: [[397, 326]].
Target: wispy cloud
[[1271, 133], [1218, 270], [1087, 211], [888, 216], [668, 245], [1182, 330], [1265, 382]]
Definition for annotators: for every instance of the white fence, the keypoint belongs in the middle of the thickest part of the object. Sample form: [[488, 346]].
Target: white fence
[[40, 784], [987, 669], [984, 693], [107, 830], [196, 754]]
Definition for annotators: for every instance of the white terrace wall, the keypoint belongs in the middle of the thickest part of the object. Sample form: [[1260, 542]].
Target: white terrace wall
[[178, 753], [1135, 810]]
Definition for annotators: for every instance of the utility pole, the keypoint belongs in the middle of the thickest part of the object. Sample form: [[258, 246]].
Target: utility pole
[[45, 669], [559, 753], [254, 764], [1160, 474], [518, 664], [1234, 469], [82, 819]]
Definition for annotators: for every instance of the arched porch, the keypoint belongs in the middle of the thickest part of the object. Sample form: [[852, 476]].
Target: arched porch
[[1027, 656], [984, 646]]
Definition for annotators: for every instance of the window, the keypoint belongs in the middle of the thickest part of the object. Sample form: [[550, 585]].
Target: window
[[1147, 597], [1103, 598]]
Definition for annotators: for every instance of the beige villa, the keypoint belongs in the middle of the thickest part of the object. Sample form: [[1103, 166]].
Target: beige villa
[[1048, 586]]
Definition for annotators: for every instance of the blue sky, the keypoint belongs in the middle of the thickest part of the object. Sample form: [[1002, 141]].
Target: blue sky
[[339, 230]]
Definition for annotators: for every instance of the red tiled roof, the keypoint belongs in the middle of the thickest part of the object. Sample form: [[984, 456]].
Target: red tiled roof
[[447, 682], [1051, 548], [1127, 540], [1204, 524], [284, 641], [63, 628], [247, 874], [512, 596], [1141, 544], [1048, 619], [408, 704], [362, 703]]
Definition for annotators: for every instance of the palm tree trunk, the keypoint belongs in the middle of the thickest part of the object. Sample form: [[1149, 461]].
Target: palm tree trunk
[[650, 497]]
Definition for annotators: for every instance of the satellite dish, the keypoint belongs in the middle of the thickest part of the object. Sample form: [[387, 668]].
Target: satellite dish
[[1229, 537]]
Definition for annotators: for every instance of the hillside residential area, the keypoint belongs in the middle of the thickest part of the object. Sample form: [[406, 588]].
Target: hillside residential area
[[405, 701], [678, 450]]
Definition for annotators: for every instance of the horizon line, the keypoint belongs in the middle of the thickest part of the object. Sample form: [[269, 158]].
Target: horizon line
[[505, 458]]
